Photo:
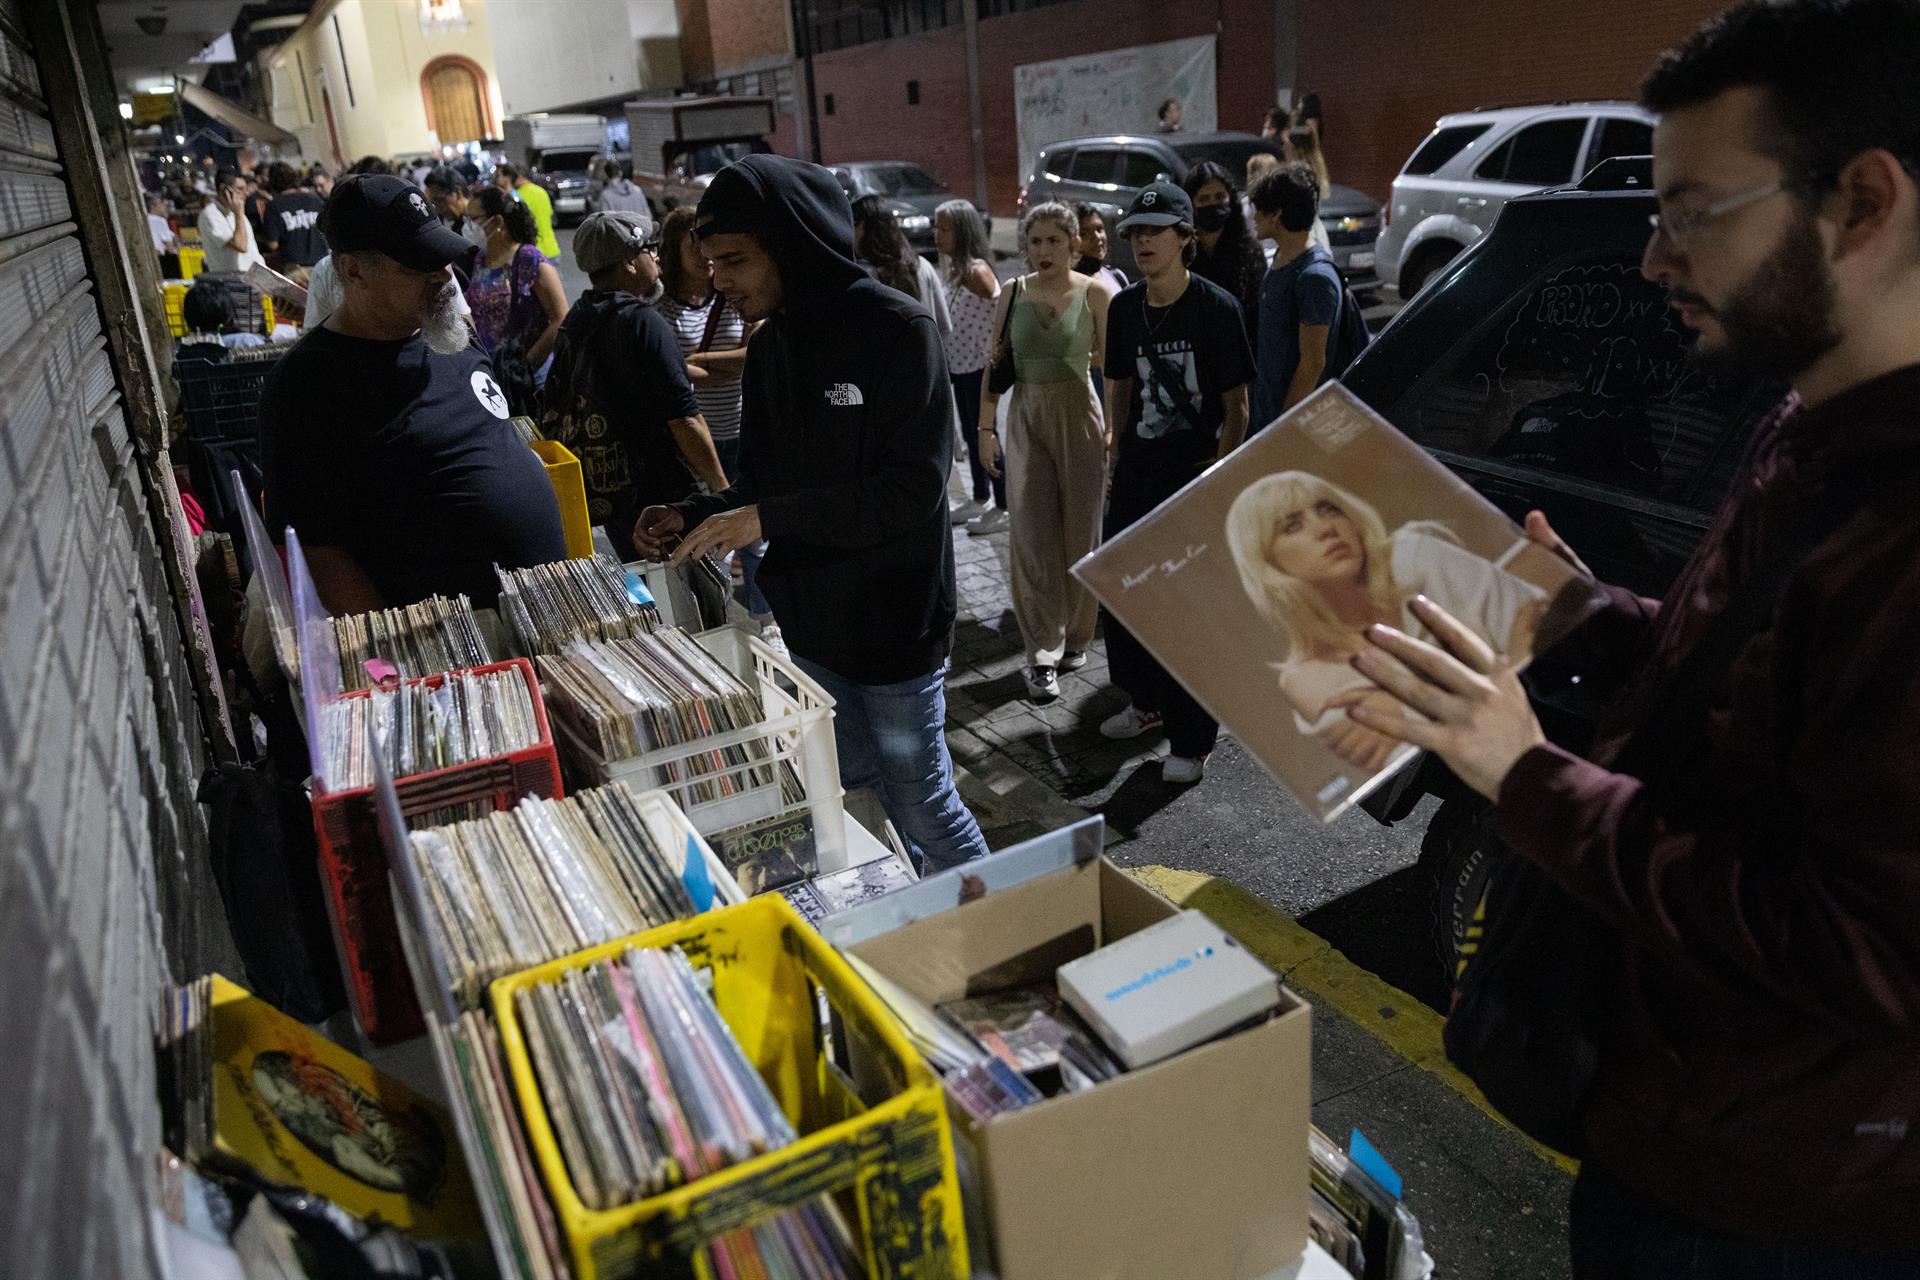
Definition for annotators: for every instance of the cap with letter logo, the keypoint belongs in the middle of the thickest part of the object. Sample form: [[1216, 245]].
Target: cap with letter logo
[[1161, 205]]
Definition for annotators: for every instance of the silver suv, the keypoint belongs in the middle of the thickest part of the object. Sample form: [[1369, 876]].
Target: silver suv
[[1472, 163]]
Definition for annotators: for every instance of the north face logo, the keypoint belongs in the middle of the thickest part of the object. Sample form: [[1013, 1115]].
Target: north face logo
[[844, 395]]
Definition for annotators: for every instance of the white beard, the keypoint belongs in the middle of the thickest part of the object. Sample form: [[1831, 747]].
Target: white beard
[[444, 327]]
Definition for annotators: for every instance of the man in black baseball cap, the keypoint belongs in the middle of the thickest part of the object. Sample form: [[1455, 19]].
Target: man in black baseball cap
[[384, 436], [1177, 369]]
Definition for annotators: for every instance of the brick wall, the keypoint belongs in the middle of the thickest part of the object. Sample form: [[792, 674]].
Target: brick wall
[[872, 120], [1384, 73], [745, 33]]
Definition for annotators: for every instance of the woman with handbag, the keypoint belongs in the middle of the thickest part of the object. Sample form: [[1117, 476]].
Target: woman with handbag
[[516, 296], [1049, 325]]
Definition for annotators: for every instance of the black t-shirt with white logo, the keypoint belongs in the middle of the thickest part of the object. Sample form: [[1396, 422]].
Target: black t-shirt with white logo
[[293, 223], [405, 459], [1182, 359]]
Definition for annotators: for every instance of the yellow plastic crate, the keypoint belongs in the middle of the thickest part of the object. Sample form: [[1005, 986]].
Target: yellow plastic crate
[[176, 299], [570, 487], [192, 261], [895, 1158]]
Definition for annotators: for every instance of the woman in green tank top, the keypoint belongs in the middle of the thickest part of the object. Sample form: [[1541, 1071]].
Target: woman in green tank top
[[1055, 321]]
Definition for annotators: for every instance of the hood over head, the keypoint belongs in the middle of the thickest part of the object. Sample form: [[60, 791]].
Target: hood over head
[[800, 212]]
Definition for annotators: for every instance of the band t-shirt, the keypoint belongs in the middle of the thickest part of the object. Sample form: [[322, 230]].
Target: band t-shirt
[[293, 223], [1182, 360], [405, 459]]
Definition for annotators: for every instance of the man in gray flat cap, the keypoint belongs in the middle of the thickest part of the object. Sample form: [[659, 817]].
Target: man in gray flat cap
[[618, 394]]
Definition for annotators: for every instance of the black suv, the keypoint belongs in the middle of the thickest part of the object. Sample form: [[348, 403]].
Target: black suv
[[1545, 370]]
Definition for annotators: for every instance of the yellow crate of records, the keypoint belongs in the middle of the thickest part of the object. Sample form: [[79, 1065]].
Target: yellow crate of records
[[881, 1148], [569, 486], [193, 260], [175, 293]]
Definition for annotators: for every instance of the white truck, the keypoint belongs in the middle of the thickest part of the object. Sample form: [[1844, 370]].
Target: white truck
[[557, 151], [678, 144]]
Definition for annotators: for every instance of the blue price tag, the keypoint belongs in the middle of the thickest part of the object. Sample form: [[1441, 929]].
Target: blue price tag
[[1372, 1163], [699, 883]]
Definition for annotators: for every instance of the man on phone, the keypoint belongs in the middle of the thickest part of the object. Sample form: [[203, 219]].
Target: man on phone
[[846, 436], [1752, 869], [226, 233]]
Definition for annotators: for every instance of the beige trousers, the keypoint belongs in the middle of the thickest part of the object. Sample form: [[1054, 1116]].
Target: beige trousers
[[1056, 484]]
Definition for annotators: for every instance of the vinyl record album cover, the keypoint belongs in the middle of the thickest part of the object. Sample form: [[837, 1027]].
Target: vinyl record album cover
[[1252, 586]]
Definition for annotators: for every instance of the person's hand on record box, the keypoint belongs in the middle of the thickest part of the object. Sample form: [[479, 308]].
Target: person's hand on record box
[[1319, 555]]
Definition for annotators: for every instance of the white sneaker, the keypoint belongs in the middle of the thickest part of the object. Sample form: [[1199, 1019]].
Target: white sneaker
[[966, 512], [1042, 686], [771, 637], [1130, 723], [994, 521], [1183, 771], [1072, 661]]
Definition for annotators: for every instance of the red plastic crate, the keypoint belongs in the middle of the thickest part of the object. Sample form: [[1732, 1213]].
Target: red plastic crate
[[354, 865]]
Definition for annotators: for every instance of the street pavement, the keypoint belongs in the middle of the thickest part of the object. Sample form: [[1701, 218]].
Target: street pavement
[[1341, 910]]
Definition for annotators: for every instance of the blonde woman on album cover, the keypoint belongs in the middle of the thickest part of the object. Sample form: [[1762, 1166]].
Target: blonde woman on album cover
[[1319, 565]]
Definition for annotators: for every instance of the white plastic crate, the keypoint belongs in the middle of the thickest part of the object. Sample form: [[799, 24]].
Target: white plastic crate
[[798, 730]]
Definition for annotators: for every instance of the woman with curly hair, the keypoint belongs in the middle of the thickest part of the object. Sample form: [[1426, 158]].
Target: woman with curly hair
[[1228, 253]]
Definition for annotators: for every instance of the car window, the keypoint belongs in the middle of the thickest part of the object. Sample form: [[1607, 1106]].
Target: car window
[[905, 180], [1230, 154], [1143, 168], [1095, 164], [846, 182], [1618, 136], [1587, 374], [1055, 164], [1441, 146], [1540, 155]]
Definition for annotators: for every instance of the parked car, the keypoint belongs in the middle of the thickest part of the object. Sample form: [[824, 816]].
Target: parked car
[[1455, 183], [1110, 170], [1549, 374], [910, 191], [567, 176]]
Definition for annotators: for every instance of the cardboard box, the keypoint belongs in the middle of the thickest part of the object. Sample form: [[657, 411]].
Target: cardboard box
[[1195, 1166]]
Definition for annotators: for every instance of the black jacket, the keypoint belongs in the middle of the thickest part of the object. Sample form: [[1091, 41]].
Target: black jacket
[[846, 437]]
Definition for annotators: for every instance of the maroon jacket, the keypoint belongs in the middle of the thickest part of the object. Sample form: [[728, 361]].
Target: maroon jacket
[[1760, 1067]]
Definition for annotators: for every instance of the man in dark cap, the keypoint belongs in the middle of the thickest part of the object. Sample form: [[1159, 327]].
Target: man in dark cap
[[618, 394], [1177, 369], [384, 437], [846, 435]]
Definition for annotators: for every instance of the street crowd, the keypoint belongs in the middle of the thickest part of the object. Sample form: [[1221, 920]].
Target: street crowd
[[775, 376]]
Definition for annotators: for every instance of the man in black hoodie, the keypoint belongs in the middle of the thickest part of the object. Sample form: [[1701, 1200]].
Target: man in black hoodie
[[845, 439]]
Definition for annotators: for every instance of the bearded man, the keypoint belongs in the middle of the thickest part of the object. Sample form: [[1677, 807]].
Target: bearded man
[[1739, 852], [384, 437]]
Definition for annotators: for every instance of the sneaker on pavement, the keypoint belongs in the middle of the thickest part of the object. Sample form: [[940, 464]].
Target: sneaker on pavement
[[966, 512], [1130, 723], [1042, 685], [1183, 771], [994, 521], [1072, 661]]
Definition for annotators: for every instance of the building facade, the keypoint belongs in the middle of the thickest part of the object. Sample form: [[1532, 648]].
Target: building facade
[[585, 53], [386, 78]]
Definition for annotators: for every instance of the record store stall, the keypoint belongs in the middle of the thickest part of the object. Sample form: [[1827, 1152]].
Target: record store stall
[[633, 995]]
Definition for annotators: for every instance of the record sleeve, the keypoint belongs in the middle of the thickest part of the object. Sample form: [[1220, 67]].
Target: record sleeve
[[1252, 585]]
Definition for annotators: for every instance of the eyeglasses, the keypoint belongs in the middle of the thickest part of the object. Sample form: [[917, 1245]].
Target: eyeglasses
[[1679, 228]]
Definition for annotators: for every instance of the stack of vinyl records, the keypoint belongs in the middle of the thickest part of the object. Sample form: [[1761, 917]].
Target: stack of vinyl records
[[625, 698], [647, 1089], [468, 716], [503, 1163], [550, 605], [1366, 1229], [437, 634], [547, 878]]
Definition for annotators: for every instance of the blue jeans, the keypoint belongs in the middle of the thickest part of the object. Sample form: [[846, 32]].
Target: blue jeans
[[750, 557], [892, 740], [1616, 1231]]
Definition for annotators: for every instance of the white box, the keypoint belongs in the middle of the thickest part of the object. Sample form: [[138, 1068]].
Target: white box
[[1168, 987]]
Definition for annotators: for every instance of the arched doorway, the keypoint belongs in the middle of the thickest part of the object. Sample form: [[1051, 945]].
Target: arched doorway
[[455, 90]]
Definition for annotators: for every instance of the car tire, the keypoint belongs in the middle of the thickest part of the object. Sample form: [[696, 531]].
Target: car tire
[[1426, 264], [1454, 851]]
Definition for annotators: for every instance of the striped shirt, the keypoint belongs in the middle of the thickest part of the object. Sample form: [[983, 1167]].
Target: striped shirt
[[719, 401]]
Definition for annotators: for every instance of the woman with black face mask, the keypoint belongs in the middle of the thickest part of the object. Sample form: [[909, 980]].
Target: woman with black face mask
[[1227, 252]]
